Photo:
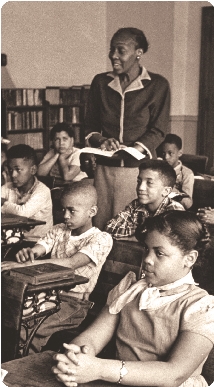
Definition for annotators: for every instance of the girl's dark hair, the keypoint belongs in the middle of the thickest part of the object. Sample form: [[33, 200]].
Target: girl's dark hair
[[183, 228], [61, 127], [137, 35]]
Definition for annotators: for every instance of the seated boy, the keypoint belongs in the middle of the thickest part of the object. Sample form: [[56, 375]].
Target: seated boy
[[155, 181], [77, 245], [62, 162], [171, 151], [25, 195]]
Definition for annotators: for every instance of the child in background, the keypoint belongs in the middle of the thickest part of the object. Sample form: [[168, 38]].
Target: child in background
[[4, 169], [171, 152], [77, 245], [155, 182], [158, 321], [25, 195], [62, 162]]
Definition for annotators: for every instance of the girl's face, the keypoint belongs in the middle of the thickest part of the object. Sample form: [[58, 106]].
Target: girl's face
[[63, 144], [164, 263]]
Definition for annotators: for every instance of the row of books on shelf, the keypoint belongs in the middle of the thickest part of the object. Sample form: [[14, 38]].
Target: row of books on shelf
[[23, 97], [24, 120], [54, 95], [35, 140], [68, 114], [66, 95]]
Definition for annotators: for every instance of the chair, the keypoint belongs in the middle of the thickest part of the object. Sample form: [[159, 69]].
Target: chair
[[125, 256], [196, 163], [203, 194], [12, 305]]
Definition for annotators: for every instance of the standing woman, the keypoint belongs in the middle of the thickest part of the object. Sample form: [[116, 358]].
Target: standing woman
[[128, 106]]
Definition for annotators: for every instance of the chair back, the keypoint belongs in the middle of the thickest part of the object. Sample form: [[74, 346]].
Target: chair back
[[125, 256], [12, 295], [203, 194], [196, 163]]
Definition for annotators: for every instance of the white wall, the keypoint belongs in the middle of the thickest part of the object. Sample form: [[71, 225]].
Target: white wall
[[54, 43]]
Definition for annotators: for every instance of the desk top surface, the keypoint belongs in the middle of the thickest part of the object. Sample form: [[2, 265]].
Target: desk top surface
[[35, 371], [68, 282], [11, 220]]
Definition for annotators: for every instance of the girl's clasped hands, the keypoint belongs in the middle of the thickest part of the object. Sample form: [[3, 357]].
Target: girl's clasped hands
[[76, 365]]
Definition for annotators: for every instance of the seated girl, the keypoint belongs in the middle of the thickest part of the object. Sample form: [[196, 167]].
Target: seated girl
[[164, 323], [62, 162]]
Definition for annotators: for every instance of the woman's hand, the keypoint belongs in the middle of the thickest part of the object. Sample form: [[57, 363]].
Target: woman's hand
[[110, 144]]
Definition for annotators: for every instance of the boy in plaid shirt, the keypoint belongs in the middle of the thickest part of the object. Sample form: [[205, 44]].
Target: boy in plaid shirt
[[77, 245], [155, 182]]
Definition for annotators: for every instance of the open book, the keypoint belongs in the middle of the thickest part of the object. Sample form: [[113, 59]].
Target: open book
[[120, 152]]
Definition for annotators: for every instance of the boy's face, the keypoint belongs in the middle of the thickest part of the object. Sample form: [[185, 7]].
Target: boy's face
[[151, 189], [171, 154], [22, 173], [77, 212], [63, 144]]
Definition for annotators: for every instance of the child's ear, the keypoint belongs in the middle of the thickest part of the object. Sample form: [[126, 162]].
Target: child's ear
[[93, 211], [33, 169], [166, 191], [180, 153], [190, 258]]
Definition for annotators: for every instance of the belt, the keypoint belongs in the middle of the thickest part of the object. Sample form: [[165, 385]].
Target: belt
[[64, 296]]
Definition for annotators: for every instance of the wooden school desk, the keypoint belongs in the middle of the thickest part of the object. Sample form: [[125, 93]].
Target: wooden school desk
[[14, 296], [17, 224], [35, 371]]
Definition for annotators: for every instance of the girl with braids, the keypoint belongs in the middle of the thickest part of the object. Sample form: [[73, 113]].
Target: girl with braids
[[164, 323]]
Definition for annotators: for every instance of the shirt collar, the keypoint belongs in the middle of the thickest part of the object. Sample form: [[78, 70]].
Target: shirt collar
[[187, 280], [30, 191], [177, 169], [135, 85], [162, 205]]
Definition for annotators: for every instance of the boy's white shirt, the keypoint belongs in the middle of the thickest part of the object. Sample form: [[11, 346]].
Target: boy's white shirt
[[151, 297]]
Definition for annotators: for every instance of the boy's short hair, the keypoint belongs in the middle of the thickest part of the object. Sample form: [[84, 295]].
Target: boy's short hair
[[61, 127], [166, 172], [82, 187], [173, 139], [22, 151]]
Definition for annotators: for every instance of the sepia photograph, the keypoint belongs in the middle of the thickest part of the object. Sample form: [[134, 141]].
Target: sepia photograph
[[107, 193]]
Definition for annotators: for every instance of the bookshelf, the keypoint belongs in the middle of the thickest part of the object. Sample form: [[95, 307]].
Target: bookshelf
[[68, 104], [31, 113], [26, 118]]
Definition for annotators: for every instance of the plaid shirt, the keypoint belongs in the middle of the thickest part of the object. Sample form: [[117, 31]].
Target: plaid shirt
[[93, 243], [125, 223]]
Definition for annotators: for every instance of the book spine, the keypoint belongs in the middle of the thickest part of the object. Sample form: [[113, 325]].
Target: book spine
[[30, 97], [9, 120], [24, 97], [18, 97]]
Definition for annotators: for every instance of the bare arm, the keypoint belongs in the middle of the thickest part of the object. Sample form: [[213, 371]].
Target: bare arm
[[28, 255], [173, 372], [47, 163], [69, 172]]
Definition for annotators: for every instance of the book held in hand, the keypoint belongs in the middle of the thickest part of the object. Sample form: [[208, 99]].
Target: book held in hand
[[42, 273], [128, 150]]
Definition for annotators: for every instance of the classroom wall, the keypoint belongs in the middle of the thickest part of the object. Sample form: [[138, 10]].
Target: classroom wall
[[64, 43], [54, 43]]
